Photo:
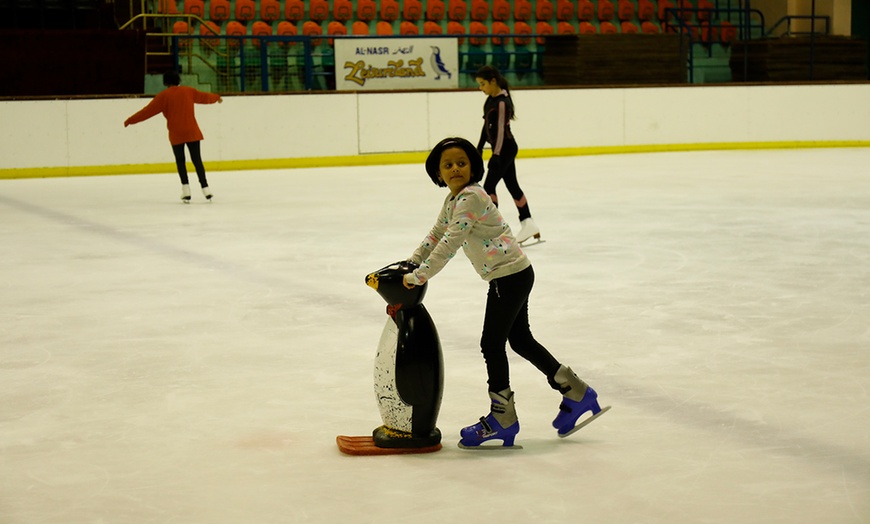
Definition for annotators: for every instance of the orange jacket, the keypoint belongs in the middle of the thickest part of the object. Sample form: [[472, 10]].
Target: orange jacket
[[176, 104]]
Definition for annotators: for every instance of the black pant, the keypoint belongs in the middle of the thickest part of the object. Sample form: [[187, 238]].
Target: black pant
[[507, 320], [195, 157], [507, 171]]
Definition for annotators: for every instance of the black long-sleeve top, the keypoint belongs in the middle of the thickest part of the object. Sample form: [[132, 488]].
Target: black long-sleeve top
[[497, 111]]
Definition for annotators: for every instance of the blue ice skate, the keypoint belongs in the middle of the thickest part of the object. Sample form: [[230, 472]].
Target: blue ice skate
[[490, 427], [571, 410]]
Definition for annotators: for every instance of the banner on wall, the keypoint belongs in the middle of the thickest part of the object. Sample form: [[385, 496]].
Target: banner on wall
[[396, 63]]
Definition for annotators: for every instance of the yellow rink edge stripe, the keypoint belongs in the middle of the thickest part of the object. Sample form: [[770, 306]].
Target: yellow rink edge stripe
[[407, 158]]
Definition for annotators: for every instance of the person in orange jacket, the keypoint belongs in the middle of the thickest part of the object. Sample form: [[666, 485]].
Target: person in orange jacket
[[176, 103]]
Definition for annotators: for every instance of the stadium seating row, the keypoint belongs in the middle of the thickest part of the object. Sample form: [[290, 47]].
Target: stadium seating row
[[436, 10], [701, 33], [626, 17]]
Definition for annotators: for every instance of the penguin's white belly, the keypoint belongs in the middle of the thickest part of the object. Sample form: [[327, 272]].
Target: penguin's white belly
[[395, 412]]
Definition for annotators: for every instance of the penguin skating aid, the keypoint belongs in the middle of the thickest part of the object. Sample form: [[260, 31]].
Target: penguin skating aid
[[409, 379]]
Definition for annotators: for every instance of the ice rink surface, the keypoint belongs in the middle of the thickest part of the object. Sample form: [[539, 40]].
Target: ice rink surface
[[170, 363]]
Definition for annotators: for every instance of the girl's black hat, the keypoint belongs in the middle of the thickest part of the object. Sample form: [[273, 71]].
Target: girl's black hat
[[433, 161]]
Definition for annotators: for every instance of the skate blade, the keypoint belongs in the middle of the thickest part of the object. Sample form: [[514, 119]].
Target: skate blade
[[577, 428], [531, 242], [489, 447]]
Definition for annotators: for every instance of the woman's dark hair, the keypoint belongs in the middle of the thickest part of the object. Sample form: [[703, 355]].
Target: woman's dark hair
[[433, 161], [171, 78], [488, 73]]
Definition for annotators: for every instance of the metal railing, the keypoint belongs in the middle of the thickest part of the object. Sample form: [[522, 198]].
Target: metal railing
[[716, 21], [787, 21]]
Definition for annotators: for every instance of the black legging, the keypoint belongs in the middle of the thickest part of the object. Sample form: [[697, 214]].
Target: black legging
[[195, 157], [507, 319], [507, 171]]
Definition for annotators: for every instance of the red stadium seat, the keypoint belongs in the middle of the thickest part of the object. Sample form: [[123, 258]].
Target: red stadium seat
[[412, 10], [565, 28], [194, 7], [455, 28], [408, 28], [245, 10], [318, 10], [360, 28], [384, 28], [629, 27], [389, 10], [167, 7], [587, 29], [709, 34], [728, 33], [501, 10], [286, 28], [478, 28], [260, 28], [625, 10], [182, 28], [366, 10], [294, 10], [522, 28], [431, 28], [663, 6], [235, 28], [646, 10], [543, 29], [479, 10], [606, 10], [311, 28], [522, 10], [342, 10], [705, 10], [585, 11], [219, 10], [686, 10], [649, 28], [209, 29], [694, 32], [270, 10], [607, 28], [564, 10], [335, 28], [435, 10], [544, 10], [500, 28], [457, 10]]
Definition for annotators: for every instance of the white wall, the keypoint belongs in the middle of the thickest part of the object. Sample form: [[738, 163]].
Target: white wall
[[85, 136]]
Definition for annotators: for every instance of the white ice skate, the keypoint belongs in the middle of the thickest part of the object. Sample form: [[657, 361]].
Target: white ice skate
[[206, 192], [529, 234], [185, 193]]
